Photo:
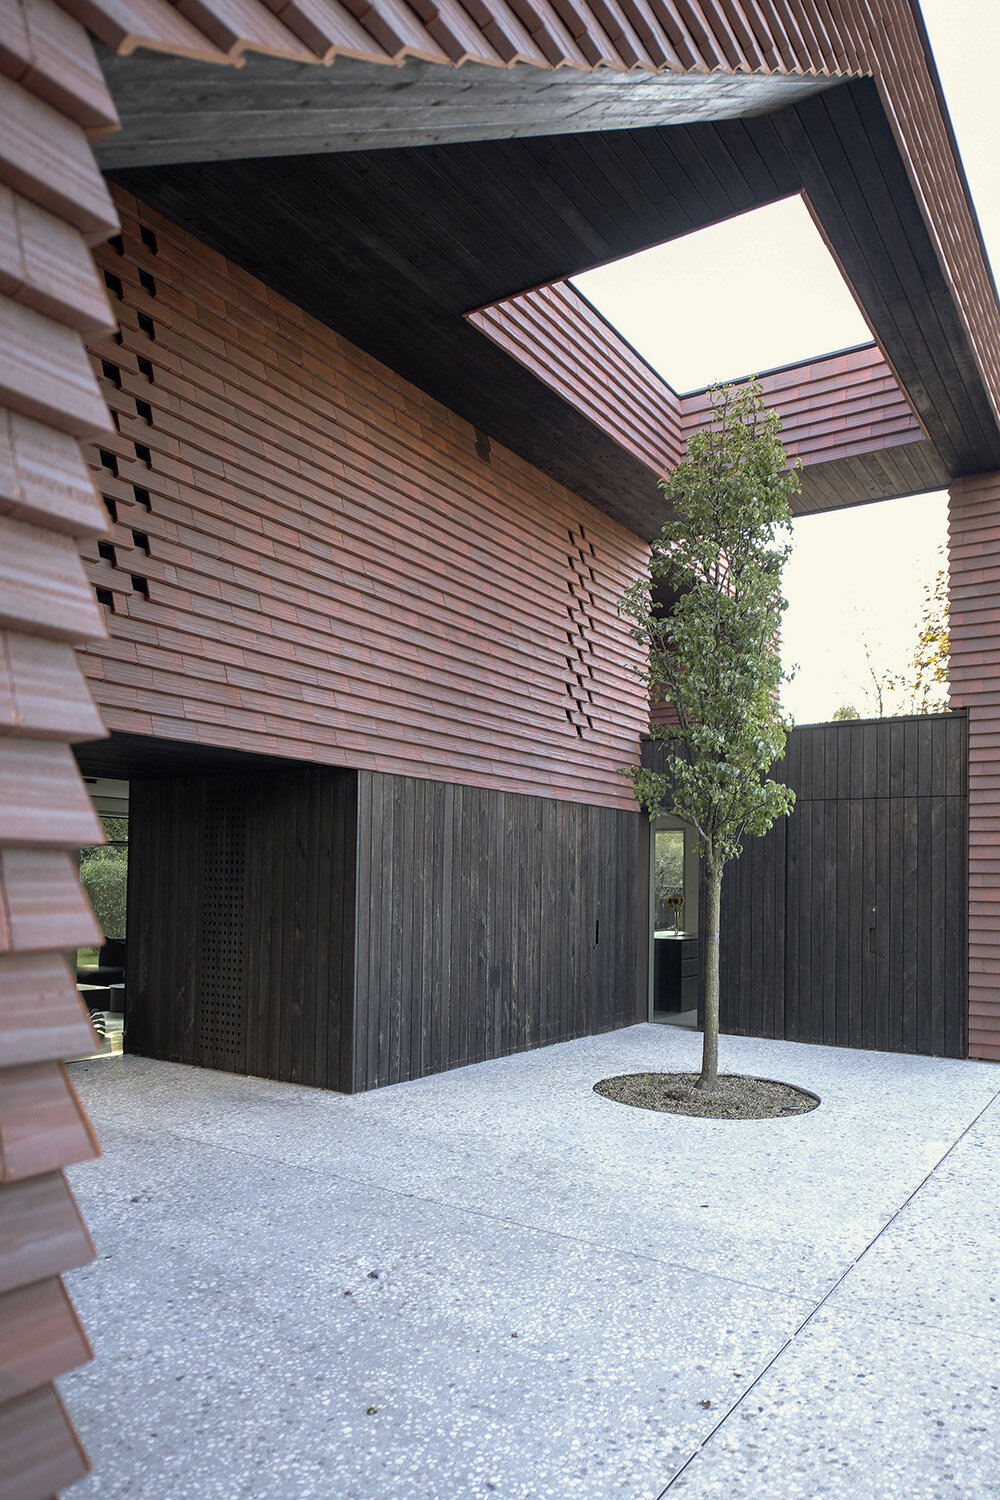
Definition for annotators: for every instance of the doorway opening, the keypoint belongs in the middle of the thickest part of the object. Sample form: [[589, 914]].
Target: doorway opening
[[673, 901], [103, 871]]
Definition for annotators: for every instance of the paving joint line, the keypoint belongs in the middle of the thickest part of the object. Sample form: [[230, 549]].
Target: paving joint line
[[485, 1215], [824, 1299]]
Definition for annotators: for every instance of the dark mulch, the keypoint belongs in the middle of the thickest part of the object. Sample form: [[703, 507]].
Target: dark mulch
[[736, 1098]]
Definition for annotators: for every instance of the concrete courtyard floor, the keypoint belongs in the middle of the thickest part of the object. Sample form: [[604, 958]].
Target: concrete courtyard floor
[[577, 1298]]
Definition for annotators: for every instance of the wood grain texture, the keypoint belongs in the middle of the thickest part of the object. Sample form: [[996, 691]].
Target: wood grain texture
[[52, 200], [42, 691], [847, 924], [175, 110], [42, 1233], [41, 1013], [731, 37], [348, 930], [441, 230], [42, 1123], [39, 1451], [488, 923], [40, 1337], [733, 42], [836, 411], [48, 53], [240, 939]]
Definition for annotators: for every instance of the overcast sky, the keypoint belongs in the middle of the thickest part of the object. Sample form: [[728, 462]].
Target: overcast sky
[[857, 576]]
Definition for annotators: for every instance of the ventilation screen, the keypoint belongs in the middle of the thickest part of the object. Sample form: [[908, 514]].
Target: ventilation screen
[[580, 610], [221, 966]]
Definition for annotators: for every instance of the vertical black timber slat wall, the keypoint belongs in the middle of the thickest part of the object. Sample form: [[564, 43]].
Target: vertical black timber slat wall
[[876, 880], [847, 924], [241, 922], [487, 923]]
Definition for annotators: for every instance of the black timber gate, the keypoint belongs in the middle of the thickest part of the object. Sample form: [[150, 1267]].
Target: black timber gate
[[847, 924]]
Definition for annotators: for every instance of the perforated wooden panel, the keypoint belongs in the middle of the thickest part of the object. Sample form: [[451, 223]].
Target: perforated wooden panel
[[381, 597], [241, 901], [221, 1000]]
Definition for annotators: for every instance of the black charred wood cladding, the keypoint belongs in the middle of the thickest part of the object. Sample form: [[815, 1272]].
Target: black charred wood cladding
[[847, 924], [352, 929], [241, 912], [477, 916]]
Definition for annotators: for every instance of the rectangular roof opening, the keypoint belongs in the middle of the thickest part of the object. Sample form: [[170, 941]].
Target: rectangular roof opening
[[752, 293]]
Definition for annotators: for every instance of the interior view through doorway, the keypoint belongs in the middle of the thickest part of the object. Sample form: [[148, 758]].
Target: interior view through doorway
[[103, 871], [673, 908]]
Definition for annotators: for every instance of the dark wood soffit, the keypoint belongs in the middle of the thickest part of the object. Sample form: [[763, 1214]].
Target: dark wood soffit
[[858, 187], [391, 247], [124, 756], [885, 474], [177, 110]]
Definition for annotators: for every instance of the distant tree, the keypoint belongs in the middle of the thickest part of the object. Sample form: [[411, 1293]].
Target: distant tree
[[845, 711], [668, 873], [927, 680], [923, 687], [103, 872], [715, 654], [115, 828], [884, 683]]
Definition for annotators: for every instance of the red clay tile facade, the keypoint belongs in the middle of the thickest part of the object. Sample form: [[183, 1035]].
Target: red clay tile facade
[[835, 407], [310, 558], [53, 204], [974, 561]]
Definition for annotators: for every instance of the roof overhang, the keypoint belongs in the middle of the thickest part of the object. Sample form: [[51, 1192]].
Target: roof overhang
[[393, 247], [178, 109]]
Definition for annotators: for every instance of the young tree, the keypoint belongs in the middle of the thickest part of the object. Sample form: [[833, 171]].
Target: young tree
[[714, 653]]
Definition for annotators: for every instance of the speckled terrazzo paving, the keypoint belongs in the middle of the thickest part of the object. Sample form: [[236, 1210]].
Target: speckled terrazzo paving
[[577, 1299]]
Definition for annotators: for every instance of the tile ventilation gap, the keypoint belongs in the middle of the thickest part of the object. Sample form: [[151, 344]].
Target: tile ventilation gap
[[581, 610]]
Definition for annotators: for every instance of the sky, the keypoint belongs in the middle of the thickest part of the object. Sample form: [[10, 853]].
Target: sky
[[841, 595]]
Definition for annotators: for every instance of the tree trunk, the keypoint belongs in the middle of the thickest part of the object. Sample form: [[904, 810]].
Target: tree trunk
[[709, 1079]]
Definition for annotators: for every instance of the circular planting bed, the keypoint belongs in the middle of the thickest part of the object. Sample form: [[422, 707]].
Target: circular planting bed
[[736, 1098]]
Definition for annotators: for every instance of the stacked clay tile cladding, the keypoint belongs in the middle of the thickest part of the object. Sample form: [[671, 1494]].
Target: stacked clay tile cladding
[[840, 406], [974, 672], [843, 39], [312, 559], [53, 203], [566, 343]]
